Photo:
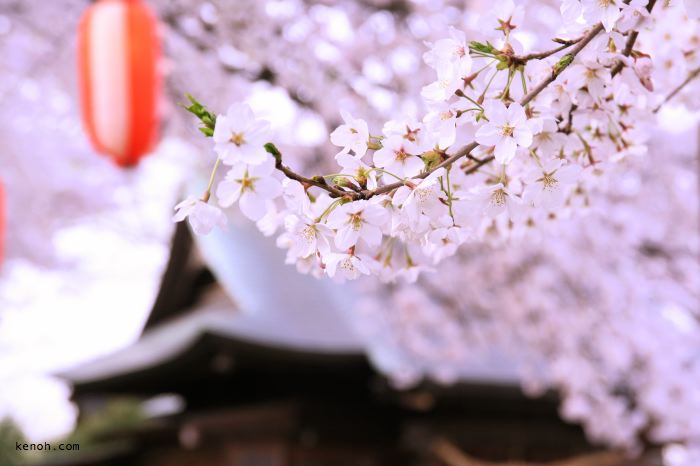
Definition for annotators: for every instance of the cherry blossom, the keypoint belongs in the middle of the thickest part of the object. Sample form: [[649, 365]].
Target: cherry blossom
[[506, 130], [633, 14], [443, 242], [569, 115], [591, 75], [450, 79], [360, 174], [399, 157], [360, 220], [442, 121], [203, 217], [450, 50], [570, 10], [548, 183], [494, 200], [251, 185], [307, 237], [351, 136], [346, 266], [483, 256], [509, 134], [419, 198], [240, 136], [508, 15], [605, 11]]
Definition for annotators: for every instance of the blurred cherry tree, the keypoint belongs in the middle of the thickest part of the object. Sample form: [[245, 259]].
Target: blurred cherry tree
[[600, 304]]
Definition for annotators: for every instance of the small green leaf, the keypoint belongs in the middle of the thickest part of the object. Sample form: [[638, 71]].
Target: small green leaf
[[486, 48], [431, 159], [272, 149], [342, 181], [207, 118], [563, 63]]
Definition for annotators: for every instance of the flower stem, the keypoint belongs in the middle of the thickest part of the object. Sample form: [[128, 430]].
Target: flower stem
[[449, 194], [207, 193], [381, 170]]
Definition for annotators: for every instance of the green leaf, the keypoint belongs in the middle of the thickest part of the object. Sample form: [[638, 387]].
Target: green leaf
[[431, 159], [342, 181], [563, 63], [274, 151], [207, 118], [486, 48]]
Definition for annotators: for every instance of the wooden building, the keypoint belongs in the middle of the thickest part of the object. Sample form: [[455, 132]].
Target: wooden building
[[248, 402]]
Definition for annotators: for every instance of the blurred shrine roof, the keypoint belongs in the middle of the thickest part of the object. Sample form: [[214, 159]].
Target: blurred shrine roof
[[244, 385], [195, 331]]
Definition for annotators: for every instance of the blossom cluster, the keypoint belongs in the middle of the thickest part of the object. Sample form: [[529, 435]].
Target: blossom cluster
[[544, 128], [613, 330], [595, 323]]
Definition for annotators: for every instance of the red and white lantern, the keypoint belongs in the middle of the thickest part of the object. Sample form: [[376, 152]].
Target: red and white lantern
[[118, 65]]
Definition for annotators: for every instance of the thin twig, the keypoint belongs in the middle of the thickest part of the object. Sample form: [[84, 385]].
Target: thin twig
[[318, 182], [466, 150], [631, 40], [693, 74], [579, 45], [545, 54], [558, 70]]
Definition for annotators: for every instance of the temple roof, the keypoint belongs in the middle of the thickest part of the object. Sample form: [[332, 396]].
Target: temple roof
[[298, 325]]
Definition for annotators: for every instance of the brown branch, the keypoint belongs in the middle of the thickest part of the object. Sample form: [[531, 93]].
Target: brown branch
[[319, 182], [585, 40], [448, 161], [631, 40], [693, 74], [466, 150], [545, 54], [479, 164], [580, 44]]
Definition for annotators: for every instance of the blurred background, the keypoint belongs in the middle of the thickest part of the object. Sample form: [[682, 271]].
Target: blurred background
[[122, 333]]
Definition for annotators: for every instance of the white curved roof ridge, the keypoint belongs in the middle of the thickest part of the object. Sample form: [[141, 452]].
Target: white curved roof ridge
[[215, 315], [279, 305]]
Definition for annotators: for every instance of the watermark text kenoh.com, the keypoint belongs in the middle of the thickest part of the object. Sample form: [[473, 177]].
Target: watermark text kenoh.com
[[46, 446]]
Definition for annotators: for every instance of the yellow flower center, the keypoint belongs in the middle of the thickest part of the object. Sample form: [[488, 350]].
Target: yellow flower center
[[401, 155], [356, 221], [247, 183], [346, 264], [548, 181], [238, 139], [498, 197]]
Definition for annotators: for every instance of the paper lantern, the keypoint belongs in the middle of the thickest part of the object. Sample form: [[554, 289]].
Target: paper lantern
[[118, 66]]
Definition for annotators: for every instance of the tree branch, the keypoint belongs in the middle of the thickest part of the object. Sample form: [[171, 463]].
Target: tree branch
[[289, 173], [547, 53], [631, 40], [581, 44], [335, 191], [693, 74], [585, 40]]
